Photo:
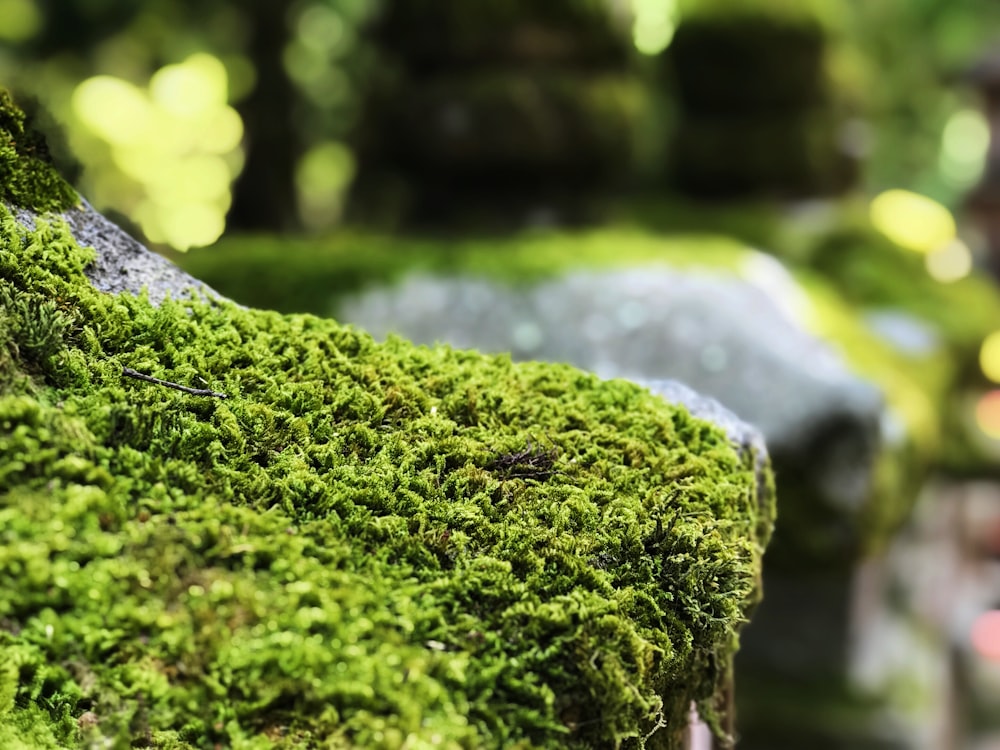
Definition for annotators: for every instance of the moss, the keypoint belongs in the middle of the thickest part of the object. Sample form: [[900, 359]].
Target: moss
[[312, 274], [27, 177], [308, 275], [337, 553]]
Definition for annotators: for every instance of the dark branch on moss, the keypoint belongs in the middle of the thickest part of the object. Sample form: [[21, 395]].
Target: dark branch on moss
[[531, 463], [129, 372]]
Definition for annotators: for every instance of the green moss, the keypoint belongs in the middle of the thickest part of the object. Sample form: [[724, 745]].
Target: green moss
[[332, 555], [312, 274], [308, 275], [27, 177]]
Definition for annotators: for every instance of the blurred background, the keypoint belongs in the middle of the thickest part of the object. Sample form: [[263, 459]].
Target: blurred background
[[790, 205]]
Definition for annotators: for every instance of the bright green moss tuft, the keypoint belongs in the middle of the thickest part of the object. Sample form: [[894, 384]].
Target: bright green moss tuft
[[27, 178], [339, 554]]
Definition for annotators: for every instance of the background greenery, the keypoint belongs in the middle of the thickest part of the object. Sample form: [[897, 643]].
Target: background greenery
[[295, 74]]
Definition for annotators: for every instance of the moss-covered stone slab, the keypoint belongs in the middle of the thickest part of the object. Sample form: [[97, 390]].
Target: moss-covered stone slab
[[318, 540], [846, 457], [504, 125], [657, 322]]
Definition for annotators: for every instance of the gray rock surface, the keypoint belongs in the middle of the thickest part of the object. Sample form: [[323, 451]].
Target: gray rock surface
[[736, 337], [123, 264]]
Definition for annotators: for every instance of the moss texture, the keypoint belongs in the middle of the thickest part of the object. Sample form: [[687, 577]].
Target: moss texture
[[312, 274], [347, 551], [27, 177]]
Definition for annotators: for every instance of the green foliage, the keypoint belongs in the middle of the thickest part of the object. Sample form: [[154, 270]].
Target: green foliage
[[27, 177], [308, 275], [335, 555]]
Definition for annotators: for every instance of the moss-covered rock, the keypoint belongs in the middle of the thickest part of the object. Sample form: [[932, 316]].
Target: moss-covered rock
[[361, 545], [748, 64], [777, 155], [27, 177], [512, 277]]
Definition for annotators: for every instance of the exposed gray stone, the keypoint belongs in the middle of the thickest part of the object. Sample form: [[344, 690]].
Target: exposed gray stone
[[123, 264]]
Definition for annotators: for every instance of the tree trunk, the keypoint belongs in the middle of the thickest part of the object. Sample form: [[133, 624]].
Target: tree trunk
[[264, 195]]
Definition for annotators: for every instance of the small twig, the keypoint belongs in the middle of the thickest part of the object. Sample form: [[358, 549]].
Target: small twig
[[129, 372], [531, 463]]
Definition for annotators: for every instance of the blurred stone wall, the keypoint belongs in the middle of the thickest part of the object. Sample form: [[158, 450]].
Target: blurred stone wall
[[496, 113]]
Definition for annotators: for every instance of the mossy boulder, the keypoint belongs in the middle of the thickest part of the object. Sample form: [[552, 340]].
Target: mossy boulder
[[517, 295], [27, 177], [325, 540], [778, 155], [748, 63], [508, 126], [852, 421]]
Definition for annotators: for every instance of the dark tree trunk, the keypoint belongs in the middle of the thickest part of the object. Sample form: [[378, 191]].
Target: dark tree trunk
[[264, 195]]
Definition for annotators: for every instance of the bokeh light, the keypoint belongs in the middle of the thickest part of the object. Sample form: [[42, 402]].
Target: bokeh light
[[964, 143], [988, 414], [986, 635], [321, 179], [114, 110], [192, 89], [176, 144], [654, 25], [21, 19], [914, 221], [949, 263], [989, 357]]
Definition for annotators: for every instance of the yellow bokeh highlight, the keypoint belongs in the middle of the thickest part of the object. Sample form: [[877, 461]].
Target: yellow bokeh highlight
[[321, 179], [988, 414], [654, 25], [190, 89], [965, 142], [989, 357], [21, 19], [173, 148], [114, 110], [950, 263], [913, 221]]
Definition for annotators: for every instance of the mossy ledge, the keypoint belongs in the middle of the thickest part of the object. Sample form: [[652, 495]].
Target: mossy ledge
[[343, 553], [27, 177]]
